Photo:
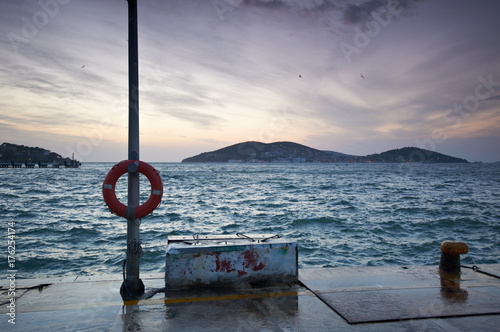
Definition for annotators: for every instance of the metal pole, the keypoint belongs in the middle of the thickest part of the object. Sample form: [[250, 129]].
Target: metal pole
[[132, 285]]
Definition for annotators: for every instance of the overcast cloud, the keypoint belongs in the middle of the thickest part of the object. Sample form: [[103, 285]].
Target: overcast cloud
[[356, 77]]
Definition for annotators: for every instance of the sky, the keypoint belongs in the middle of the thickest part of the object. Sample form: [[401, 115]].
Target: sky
[[357, 77]]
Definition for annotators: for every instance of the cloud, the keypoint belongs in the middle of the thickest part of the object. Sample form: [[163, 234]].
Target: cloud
[[359, 14], [354, 14], [264, 3], [222, 77], [311, 5], [497, 97], [9, 131], [351, 14], [201, 120]]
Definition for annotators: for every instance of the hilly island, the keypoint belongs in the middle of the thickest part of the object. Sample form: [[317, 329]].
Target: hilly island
[[15, 155], [289, 152]]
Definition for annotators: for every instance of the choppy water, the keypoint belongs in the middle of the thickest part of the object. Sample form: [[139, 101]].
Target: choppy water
[[340, 214]]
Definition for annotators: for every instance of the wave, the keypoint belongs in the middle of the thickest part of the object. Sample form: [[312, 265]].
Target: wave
[[339, 215], [316, 221]]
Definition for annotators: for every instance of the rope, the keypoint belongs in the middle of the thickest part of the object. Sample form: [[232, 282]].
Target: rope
[[261, 240], [476, 268], [196, 237], [271, 237], [134, 247], [245, 236]]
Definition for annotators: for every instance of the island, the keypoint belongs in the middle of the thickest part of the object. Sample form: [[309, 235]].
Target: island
[[17, 156], [290, 152]]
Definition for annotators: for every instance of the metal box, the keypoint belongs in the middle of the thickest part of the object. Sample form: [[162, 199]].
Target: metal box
[[229, 260]]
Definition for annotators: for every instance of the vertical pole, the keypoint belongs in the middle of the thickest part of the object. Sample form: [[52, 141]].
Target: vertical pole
[[133, 85], [132, 285]]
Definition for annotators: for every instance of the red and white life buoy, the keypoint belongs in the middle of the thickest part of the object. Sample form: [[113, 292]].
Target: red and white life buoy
[[109, 190]]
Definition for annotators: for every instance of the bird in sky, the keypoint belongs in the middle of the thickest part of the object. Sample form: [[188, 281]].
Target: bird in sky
[[82, 66], [362, 76]]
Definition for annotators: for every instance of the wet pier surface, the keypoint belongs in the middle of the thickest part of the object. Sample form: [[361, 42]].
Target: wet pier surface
[[413, 298]]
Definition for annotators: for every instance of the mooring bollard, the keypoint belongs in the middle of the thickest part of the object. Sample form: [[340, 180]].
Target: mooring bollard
[[450, 255]]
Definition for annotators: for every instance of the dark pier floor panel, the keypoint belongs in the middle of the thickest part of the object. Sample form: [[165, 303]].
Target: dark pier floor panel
[[370, 295]]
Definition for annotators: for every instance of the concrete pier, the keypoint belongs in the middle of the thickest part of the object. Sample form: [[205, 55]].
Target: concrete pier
[[397, 298]]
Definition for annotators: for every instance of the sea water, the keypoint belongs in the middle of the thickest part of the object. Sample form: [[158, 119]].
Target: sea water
[[339, 214]]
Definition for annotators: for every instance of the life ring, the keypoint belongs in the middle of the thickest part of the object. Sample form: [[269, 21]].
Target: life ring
[[109, 190]]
